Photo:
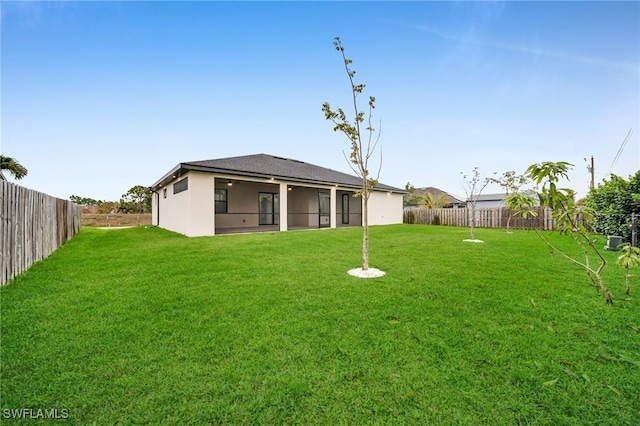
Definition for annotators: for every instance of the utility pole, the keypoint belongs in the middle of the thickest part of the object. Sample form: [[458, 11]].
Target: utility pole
[[591, 169]]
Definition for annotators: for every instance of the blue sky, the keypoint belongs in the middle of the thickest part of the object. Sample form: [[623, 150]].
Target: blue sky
[[100, 96]]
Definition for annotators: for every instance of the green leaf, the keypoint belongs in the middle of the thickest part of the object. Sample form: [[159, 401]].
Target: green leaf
[[550, 382]]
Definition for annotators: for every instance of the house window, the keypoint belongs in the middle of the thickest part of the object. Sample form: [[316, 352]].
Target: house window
[[181, 185], [268, 208], [164, 193], [345, 208], [221, 200]]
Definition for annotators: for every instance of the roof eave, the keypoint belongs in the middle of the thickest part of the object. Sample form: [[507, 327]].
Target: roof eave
[[168, 177], [181, 168]]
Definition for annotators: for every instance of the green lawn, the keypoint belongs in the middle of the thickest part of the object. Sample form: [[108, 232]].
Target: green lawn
[[143, 326]]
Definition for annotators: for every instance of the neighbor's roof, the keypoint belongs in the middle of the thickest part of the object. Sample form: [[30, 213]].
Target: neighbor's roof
[[502, 196], [270, 166], [491, 197], [435, 192]]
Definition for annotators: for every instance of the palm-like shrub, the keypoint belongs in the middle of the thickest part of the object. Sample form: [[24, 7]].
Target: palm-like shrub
[[629, 258]]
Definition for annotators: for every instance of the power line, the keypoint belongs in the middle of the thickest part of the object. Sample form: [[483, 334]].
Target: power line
[[624, 143]]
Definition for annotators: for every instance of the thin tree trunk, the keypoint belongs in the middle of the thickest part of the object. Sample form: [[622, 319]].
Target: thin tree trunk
[[473, 221], [365, 229], [626, 279]]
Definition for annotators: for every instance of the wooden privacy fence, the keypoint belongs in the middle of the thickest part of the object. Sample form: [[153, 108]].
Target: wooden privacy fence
[[32, 226], [485, 218]]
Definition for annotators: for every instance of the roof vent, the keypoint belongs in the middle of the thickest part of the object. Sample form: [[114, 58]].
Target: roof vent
[[287, 159]]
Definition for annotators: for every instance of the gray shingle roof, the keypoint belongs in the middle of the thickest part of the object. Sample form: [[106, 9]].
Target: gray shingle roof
[[271, 166], [435, 191], [491, 197]]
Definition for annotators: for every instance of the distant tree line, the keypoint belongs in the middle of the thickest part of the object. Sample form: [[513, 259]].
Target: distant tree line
[[136, 200]]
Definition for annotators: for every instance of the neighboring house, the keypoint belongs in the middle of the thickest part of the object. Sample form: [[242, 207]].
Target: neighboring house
[[265, 193], [488, 201], [451, 200]]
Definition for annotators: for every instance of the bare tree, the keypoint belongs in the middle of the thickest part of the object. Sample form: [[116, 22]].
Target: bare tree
[[511, 183], [362, 148], [473, 187]]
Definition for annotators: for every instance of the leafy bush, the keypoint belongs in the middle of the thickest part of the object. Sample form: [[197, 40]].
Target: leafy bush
[[613, 202]]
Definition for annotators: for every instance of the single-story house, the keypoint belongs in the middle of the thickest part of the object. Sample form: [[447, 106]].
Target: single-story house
[[488, 201], [263, 192]]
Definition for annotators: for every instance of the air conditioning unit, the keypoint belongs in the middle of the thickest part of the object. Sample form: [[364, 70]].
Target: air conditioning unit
[[613, 241]]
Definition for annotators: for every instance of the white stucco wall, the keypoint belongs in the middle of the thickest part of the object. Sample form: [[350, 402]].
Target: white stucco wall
[[192, 212], [189, 212], [202, 201], [170, 211], [385, 208], [487, 204]]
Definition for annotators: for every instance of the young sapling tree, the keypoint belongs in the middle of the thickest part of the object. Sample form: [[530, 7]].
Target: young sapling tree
[[511, 183], [473, 185], [629, 258], [362, 147], [566, 214]]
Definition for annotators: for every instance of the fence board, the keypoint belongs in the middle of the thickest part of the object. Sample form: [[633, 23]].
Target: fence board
[[32, 226]]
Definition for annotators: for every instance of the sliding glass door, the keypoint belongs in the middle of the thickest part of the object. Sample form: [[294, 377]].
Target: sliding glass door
[[269, 208]]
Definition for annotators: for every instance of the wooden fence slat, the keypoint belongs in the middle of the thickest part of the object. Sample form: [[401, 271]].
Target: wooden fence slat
[[32, 226], [485, 218]]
